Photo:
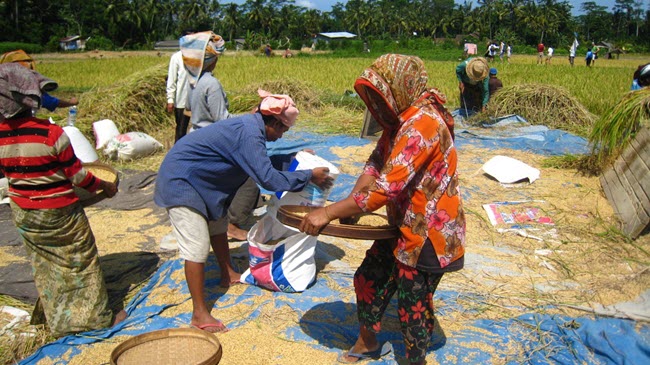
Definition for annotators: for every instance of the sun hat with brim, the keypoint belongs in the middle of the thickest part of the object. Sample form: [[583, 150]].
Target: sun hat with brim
[[477, 69]]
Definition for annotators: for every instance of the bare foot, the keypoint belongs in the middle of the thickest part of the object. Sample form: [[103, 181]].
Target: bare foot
[[119, 317], [229, 280], [236, 233]]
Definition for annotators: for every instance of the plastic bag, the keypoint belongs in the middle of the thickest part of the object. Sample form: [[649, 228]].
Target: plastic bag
[[132, 145], [311, 195]]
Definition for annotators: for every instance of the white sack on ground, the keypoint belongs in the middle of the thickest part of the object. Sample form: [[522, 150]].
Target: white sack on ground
[[82, 147], [104, 130], [282, 258], [132, 145], [508, 170]]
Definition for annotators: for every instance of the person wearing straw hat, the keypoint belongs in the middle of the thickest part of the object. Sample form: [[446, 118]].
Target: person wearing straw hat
[[413, 172], [40, 164], [472, 75], [208, 103], [200, 175]]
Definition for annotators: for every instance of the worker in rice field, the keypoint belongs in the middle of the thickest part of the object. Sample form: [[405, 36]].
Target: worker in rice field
[[199, 177], [48, 101], [40, 164], [177, 89], [208, 103], [494, 83], [413, 172], [641, 77], [472, 75]]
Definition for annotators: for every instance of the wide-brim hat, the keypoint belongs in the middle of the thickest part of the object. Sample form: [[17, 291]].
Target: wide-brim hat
[[477, 69]]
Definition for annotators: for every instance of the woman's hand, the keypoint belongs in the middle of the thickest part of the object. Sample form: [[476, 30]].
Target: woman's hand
[[108, 187], [313, 222]]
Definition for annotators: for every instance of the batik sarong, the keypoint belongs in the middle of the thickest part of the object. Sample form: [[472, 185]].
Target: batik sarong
[[65, 264]]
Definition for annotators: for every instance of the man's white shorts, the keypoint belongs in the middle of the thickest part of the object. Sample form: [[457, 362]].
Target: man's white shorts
[[193, 232]]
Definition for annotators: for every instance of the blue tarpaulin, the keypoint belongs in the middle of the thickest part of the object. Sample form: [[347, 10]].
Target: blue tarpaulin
[[327, 318]]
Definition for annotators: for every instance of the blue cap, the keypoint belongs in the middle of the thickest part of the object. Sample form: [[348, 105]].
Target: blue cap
[[493, 71]]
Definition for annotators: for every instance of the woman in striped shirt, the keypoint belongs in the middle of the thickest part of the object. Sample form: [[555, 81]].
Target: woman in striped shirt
[[39, 162]]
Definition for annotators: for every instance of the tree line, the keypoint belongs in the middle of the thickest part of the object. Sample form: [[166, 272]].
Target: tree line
[[138, 24]]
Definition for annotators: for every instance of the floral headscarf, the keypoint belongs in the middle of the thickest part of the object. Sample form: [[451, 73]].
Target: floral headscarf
[[390, 85], [395, 82]]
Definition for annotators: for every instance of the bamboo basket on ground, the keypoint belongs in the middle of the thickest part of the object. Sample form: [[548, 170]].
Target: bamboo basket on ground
[[188, 346], [101, 171]]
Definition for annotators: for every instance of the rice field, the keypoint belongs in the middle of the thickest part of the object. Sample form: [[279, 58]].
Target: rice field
[[598, 88]]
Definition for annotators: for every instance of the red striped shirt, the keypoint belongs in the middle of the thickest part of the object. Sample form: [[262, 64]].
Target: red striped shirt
[[38, 160]]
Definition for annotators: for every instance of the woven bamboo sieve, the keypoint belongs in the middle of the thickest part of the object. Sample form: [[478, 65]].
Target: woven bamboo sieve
[[187, 346], [101, 171]]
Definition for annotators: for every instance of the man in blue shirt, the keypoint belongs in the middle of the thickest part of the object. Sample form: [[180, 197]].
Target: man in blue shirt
[[201, 174]]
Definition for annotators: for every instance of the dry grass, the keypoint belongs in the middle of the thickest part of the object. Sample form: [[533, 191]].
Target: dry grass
[[614, 130], [540, 104]]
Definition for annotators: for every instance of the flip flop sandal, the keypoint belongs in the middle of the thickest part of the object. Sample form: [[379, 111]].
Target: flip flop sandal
[[205, 327], [383, 350]]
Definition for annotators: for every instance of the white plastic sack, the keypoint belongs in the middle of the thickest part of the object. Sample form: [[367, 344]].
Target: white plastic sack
[[132, 145], [280, 259], [82, 147], [509, 170], [104, 130], [311, 195]]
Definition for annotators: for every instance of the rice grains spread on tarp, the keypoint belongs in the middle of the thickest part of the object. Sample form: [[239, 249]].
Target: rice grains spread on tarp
[[504, 276]]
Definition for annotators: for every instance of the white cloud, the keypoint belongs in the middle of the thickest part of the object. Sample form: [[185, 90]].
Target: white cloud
[[306, 4]]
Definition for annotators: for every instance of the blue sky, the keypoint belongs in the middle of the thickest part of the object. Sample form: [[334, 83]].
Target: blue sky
[[326, 5]]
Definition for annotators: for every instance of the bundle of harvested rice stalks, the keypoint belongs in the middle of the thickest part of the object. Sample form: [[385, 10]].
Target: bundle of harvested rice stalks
[[613, 131], [135, 104], [306, 97], [540, 104]]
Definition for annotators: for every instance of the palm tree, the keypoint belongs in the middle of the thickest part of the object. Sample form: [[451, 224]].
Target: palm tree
[[231, 19]]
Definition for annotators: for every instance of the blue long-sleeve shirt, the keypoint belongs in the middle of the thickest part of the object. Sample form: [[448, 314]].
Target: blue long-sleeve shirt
[[205, 168]]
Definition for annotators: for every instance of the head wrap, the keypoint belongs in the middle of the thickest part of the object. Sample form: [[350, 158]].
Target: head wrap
[[477, 69], [19, 56], [200, 51], [21, 89], [390, 85], [280, 106]]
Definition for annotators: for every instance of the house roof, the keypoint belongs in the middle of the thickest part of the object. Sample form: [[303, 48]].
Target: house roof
[[333, 35], [70, 38], [173, 44]]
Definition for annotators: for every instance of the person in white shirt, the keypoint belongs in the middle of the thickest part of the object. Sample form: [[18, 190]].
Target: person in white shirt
[[549, 55], [177, 88]]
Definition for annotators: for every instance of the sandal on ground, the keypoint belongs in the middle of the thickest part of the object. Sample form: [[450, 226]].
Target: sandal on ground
[[210, 327], [383, 350]]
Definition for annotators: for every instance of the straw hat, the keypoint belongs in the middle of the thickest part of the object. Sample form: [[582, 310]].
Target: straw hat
[[477, 69]]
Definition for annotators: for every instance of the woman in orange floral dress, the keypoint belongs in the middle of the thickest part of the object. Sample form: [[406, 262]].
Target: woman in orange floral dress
[[413, 172]]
